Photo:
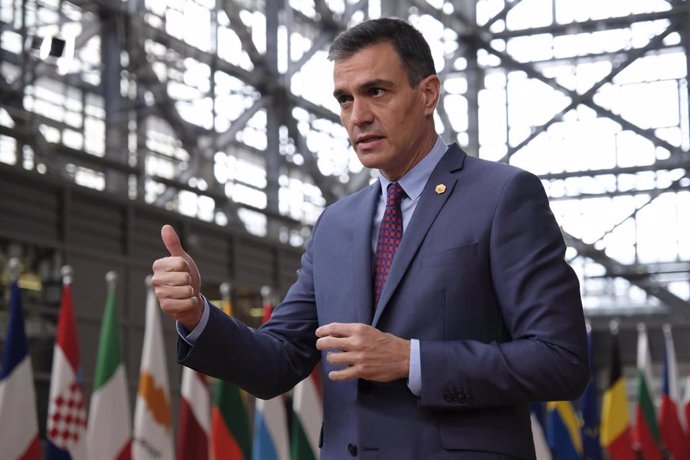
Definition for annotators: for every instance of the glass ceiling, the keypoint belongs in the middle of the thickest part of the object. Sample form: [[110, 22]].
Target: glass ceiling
[[222, 110]]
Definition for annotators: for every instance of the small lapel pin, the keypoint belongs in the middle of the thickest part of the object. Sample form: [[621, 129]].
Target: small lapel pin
[[440, 188]]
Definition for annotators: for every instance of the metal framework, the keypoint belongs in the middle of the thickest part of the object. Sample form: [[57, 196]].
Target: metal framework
[[218, 109]]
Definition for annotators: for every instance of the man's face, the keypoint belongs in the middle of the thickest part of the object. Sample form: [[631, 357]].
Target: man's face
[[390, 124]]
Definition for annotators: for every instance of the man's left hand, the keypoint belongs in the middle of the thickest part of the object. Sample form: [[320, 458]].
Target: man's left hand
[[366, 352]]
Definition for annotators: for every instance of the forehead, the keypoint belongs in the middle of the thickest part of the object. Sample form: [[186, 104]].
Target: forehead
[[376, 62]]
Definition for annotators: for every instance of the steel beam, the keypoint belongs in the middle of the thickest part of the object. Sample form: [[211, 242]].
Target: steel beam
[[676, 307]]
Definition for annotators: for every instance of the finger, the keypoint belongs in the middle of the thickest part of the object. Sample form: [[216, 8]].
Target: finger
[[333, 343], [343, 358], [172, 241], [176, 307], [339, 329], [171, 264], [177, 278], [175, 292], [349, 373]]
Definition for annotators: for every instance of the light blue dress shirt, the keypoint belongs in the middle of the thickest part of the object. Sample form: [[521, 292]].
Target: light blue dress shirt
[[412, 183]]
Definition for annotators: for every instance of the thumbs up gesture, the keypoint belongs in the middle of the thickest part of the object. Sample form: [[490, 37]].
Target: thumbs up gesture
[[176, 282]]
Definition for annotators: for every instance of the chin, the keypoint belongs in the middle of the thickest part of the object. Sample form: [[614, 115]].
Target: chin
[[368, 160]]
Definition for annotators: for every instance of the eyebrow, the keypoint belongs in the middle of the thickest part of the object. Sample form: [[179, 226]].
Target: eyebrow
[[367, 84]]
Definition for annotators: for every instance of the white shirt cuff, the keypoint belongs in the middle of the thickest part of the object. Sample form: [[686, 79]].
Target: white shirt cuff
[[191, 337], [414, 381]]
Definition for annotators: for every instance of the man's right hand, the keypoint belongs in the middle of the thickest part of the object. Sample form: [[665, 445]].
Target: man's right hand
[[176, 282]]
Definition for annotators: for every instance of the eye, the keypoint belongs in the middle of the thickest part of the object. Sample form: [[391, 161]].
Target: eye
[[374, 91], [343, 99]]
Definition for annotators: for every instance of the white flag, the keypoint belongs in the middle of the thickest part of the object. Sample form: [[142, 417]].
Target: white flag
[[153, 437]]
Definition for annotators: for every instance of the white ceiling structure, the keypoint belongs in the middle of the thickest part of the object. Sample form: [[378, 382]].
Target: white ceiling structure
[[222, 110]]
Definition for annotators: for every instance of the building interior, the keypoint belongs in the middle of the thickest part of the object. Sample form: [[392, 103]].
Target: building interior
[[217, 117]]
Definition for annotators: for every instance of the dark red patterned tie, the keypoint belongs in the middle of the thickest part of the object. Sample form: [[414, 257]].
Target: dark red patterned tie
[[390, 235]]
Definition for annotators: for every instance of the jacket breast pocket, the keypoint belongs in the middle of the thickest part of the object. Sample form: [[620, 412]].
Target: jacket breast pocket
[[450, 256]]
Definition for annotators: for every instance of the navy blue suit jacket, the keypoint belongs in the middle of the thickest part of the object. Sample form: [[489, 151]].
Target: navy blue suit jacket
[[479, 278]]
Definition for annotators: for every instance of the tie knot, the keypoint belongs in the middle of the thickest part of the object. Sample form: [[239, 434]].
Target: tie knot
[[395, 194]]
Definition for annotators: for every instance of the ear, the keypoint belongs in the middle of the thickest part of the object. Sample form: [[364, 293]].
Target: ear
[[431, 92]]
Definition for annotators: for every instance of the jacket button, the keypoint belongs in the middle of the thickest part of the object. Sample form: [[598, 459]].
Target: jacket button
[[352, 448]]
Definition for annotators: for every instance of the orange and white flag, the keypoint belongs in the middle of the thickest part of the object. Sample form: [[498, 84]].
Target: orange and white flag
[[153, 431]]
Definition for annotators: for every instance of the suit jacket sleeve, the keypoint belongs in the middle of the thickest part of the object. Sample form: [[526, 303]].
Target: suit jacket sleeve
[[267, 361], [545, 355]]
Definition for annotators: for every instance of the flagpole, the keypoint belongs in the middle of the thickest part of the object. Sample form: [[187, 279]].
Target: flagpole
[[225, 289], [67, 273], [111, 280], [15, 269]]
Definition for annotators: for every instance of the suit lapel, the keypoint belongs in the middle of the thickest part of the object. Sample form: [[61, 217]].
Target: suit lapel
[[362, 289], [430, 204]]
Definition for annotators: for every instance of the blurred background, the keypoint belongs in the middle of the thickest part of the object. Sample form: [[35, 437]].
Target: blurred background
[[216, 116]]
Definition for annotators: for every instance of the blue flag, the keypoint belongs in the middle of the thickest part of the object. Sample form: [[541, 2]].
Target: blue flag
[[589, 411]]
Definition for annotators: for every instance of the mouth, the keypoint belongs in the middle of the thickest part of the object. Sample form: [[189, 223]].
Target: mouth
[[367, 141]]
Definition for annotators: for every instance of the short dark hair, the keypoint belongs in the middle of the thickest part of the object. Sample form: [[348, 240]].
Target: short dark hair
[[409, 43]]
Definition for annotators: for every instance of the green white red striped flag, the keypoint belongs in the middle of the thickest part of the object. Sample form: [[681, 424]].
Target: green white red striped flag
[[109, 431]]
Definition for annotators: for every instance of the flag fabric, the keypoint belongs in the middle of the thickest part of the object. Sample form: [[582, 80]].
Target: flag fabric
[[307, 414], [538, 421], [615, 419], [670, 428], [270, 430], [19, 434], [109, 432], [66, 427], [646, 431], [686, 405], [195, 416], [271, 438], [563, 431], [153, 438], [589, 410], [230, 437]]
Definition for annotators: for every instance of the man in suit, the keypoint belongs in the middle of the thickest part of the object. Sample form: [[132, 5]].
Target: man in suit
[[440, 305]]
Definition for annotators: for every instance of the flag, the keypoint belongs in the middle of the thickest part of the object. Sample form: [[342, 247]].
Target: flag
[[195, 416], [307, 413], [589, 410], [270, 430], [615, 419], [537, 419], [670, 426], [686, 405], [563, 431], [646, 430], [270, 421], [19, 434], [66, 427], [109, 432], [230, 437], [153, 437]]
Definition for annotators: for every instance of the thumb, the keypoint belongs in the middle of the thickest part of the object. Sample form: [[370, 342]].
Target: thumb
[[172, 241], [174, 247]]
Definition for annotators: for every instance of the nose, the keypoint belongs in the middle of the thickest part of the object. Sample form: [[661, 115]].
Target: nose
[[361, 114]]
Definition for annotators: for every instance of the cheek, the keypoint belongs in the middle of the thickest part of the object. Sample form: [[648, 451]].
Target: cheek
[[345, 121]]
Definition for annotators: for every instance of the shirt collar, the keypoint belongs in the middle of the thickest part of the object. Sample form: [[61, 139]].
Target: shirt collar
[[414, 180]]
